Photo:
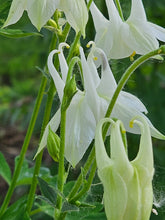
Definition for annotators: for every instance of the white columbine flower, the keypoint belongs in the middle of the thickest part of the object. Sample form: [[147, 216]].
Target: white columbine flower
[[40, 11], [128, 193], [118, 38], [89, 106]]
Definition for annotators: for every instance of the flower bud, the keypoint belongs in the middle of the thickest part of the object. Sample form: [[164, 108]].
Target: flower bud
[[53, 145], [128, 193], [69, 91]]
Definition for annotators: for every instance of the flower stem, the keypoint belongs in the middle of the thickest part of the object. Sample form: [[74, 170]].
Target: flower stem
[[61, 171], [25, 146], [73, 46], [39, 157], [119, 9]]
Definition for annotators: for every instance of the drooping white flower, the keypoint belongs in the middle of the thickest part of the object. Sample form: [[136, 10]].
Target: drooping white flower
[[128, 193], [127, 105], [40, 11], [89, 106], [80, 122], [118, 38]]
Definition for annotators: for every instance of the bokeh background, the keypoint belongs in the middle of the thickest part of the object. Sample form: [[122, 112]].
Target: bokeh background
[[20, 77]]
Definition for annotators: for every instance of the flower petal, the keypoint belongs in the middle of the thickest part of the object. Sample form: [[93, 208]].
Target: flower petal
[[118, 152], [96, 103], [16, 10], [53, 123], [59, 83], [76, 13], [158, 31], [40, 11], [80, 127], [137, 11]]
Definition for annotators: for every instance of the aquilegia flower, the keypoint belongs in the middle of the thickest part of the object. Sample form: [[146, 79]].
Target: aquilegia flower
[[88, 106], [128, 193], [120, 38], [40, 11]]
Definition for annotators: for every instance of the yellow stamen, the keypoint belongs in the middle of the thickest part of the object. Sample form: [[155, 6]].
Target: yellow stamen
[[131, 124], [159, 51], [95, 58], [132, 56]]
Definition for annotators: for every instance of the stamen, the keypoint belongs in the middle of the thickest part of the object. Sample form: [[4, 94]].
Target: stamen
[[95, 58], [132, 56]]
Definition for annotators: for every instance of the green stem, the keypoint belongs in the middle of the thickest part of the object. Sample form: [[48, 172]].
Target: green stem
[[25, 146], [39, 157], [61, 171], [120, 86], [119, 9], [85, 171], [87, 185], [89, 4], [45, 122], [72, 48]]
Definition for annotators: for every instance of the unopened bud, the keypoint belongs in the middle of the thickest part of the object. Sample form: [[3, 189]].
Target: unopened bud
[[53, 145], [69, 91]]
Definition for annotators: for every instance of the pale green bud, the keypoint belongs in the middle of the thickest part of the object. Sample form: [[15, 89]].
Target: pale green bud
[[53, 145], [128, 193], [70, 90]]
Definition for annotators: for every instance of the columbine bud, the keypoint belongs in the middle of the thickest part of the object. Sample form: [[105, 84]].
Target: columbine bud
[[70, 90], [128, 193], [53, 145]]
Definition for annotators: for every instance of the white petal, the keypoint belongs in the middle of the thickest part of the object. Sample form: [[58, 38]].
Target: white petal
[[125, 113], [114, 16], [118, 152], [63, 63], [76, 13], [99, 20], [40, 11], [102, 158], [107, 84], [54, 124], [145, 149], [16, 10], [137, 11], [97, 104], [59, 83], [158, 31], [80, 127], [141, 38]]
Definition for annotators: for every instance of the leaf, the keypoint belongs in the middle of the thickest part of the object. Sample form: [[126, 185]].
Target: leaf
[[16, 33], [5, 171], [47, 191], [67, 207], [16, 211]]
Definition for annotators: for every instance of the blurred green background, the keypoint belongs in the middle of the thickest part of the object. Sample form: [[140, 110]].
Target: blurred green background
[[20, 80]]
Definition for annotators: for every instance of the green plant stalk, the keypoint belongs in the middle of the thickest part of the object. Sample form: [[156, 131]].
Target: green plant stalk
[[121, 84], [73, 46], [87, 185], [25, 146], [61, 171], [48, 107], [45, 121], [85, 171], [89, 4], [119, 9]]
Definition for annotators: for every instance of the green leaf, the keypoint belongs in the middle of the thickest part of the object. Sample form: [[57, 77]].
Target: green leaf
[[16, 211], [16, 33], [47, 191], [5, 171], [67, 207]]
